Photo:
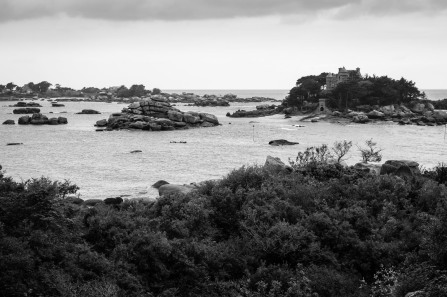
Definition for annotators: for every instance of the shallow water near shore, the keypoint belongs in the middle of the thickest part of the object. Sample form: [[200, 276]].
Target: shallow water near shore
[[101, 164]]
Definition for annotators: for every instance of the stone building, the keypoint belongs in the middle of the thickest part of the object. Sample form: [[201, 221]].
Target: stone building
[[343, 75]]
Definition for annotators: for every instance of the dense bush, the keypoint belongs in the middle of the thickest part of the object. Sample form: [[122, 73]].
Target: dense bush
[[322, 230]]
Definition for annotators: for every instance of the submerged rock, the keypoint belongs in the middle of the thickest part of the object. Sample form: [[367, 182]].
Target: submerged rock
[[282, 142], [89, 111], [9, 122]]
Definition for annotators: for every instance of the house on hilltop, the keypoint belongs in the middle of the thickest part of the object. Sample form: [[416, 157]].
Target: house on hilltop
[[343, 75]]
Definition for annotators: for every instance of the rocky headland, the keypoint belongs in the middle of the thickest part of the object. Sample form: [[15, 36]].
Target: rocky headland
[[418, 113], [156, 114]]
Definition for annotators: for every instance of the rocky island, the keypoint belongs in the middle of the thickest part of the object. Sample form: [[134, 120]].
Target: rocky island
[[350, 97], [156, 114]]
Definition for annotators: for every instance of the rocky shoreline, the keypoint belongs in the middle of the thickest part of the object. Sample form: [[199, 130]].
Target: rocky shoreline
[[420, 114]]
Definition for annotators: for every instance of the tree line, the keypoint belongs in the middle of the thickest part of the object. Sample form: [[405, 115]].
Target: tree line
[[44, 89]]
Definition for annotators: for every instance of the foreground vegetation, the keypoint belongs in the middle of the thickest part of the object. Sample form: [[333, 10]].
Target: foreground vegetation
[[321, 230]]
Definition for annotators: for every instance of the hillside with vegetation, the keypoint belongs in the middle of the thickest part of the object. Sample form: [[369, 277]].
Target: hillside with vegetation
[[320, 229]]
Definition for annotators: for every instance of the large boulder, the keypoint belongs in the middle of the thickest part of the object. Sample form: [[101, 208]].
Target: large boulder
[[9, 122], [191, 119], [279, 142], [276, 164], [374, 114], [170, 189], [62, 120], [101, 123], [418, 108], [92, 202], [175, 116], [164, 122], [159, 183], [387, 110], [53, 121], [38, 119], [360, 119], [402, 168], [209, 118], [24, 120], [137, 125]]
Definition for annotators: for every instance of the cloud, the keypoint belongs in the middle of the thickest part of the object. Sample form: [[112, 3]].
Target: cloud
[[206, 9]]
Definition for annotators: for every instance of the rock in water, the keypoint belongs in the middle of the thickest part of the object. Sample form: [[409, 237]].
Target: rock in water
[[89, 111], [282, 142], [159, 184], [14, 143], [136, 151], [9, 122]]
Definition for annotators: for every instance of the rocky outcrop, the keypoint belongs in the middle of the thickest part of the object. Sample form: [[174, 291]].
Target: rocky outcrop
[[40, 119], [402, 168], [172, 189], [279, 142], [26, 104], [9, 122], [27, 110], [276, 164], [261, 111], [101, 123], [57, 105], [159, 184], [89, 111], [158, 115]]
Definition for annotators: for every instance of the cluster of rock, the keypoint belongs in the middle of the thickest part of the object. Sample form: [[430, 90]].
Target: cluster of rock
[[422, 114], [26, 110], [88, 111], [260, 111], [156, 115], [214, 100], [26, 104], [40, 119]]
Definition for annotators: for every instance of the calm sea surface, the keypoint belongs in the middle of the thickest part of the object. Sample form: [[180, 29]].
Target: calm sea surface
[[102, 165]]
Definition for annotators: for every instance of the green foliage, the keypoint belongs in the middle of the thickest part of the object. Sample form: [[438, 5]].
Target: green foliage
[[322, 230]]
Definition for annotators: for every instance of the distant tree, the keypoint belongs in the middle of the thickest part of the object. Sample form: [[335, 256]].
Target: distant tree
[[123, 91], [90, 90], [2, 87], [43, 86], [137, 90], [11, 86], [156, 91]]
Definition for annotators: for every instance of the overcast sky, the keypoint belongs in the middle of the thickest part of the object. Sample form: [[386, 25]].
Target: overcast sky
[[219, 44]]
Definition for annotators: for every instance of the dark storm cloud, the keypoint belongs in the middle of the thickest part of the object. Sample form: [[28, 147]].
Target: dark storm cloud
[[206, 9]]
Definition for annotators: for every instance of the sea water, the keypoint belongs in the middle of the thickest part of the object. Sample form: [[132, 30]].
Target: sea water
[[101, 164]]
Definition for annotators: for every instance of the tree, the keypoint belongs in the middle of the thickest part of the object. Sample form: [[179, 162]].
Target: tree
[[11, 86], [123, 91], [341, 148], [43, 86], [137, 90], [370, 153], [2, 87]]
